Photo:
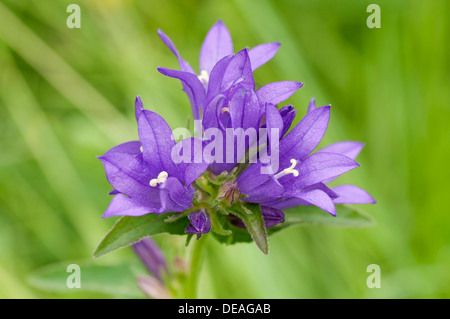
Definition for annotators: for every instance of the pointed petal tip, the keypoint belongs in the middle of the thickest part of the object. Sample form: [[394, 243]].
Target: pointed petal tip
[[138, 103], [330, 210], [102, 158], [243, 51], [325, 108], [162, 36], [351, 194], [219, 24], [106, 215], [162, 70]]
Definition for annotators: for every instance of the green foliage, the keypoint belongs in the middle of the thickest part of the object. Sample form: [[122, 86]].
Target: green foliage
[[129, 230], [346, 216], [250, 214], [112, 280], [66, 95]]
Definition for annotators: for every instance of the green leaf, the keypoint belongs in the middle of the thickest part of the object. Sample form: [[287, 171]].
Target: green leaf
[[238, 235], [129, 230], [251, 215], [346, 216], [114, 280]]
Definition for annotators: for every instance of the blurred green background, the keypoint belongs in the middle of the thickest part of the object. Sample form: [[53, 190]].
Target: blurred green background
[[67, 95]]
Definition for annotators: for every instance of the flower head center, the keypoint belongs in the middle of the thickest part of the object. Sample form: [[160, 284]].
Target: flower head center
[[162, 177], [204, 77], [289, 170]]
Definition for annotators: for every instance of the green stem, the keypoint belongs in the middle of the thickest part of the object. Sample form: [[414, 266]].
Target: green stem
[[190, 287]]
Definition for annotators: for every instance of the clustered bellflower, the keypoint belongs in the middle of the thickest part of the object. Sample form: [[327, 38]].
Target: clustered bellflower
[[146, 179]]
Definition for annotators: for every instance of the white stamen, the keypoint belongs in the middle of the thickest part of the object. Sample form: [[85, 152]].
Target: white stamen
[[289, 170], [204, 77], [142, 150], [225, 110], [162, 177], [153, 182]]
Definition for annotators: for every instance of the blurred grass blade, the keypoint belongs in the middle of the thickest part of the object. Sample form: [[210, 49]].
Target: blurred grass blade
[[63, 77], [46, 148], [115, 280]]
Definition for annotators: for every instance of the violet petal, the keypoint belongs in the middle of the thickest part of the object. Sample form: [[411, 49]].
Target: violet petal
[[348, 148], [174, 196], [216, 45], [287, 113], [192, 86], [238, 70], [271, 216], [306, 135], [315, 197], [184, 66], [321, 166], [157, 143], [129, 175], [311, 105], [277, 92], [122, 205], [262, 53], [351, 194]]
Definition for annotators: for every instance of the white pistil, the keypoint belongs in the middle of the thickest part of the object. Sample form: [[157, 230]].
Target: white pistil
[[204, 77], [289, 170], [162, 177]]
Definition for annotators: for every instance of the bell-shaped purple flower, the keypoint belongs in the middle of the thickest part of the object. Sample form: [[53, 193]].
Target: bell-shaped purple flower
[[144, 176], [300, 177], [216, 52]]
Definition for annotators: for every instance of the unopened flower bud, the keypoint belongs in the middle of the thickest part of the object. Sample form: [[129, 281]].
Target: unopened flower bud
[[152, 287], [229, 193], [151, 256], [200, 223], [180, 265]]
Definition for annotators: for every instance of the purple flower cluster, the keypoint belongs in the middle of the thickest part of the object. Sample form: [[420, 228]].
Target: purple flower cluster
[[146, 179]]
